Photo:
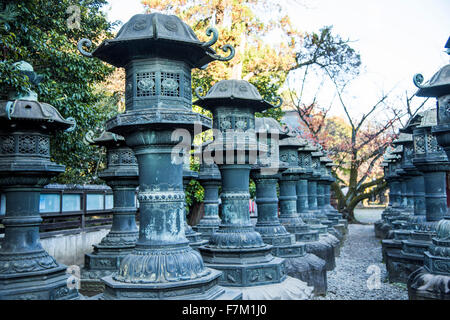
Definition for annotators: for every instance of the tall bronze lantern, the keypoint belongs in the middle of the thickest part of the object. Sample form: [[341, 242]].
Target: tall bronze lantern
[[27, 271], [158, 52]]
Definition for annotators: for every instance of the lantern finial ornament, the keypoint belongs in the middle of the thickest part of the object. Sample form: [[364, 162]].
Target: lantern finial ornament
[[87, 43], [418, 79]]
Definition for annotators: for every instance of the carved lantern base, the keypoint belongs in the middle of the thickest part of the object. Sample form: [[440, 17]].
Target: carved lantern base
[[290, 219], [299, 264]]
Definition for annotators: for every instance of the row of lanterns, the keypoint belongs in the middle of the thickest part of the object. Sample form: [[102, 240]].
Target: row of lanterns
[[227, 257], [416, 224]]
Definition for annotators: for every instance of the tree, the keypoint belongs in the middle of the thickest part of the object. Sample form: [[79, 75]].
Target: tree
[[45, 34], [356, 144], [322, 56]]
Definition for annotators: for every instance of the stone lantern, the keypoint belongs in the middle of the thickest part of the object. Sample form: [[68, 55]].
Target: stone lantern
[[383, 227], [304, 161], [299, 264], [210, 179], [416, 183], [433, 280], [319, 221], [402, 224], [27, 271], [404, 172], [338, 223], [121, 175], [431, 160], [332, 212], [393, 210], [289, 216], [394, 160], [158, 52], [407, 170], [236, 248], [403, 212]]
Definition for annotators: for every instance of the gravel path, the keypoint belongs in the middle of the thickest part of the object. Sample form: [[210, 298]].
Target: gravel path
[[349, 280]]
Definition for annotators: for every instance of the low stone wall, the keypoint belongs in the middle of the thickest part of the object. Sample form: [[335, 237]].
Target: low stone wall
[[70, 249]]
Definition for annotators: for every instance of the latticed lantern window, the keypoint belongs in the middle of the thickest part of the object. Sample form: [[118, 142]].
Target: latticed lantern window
[[432, 144], [127, 157], [7, 144], [419, 144], [170, 84], [315, 163], [187, 88], [145, 84], [408, 153]]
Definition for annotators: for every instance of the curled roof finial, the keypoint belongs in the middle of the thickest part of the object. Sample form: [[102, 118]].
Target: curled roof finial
[[198, 91], [418, 79], [279, 102], [224, 48], [73, 126], [87, 43], [89, 137], [215, 36]]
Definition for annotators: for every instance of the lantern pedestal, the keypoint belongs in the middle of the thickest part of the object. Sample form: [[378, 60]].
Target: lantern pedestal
[[290, 219], [162, 265], [299, 264], [210, 221], [122, 176], [236, 248], [119, 242]]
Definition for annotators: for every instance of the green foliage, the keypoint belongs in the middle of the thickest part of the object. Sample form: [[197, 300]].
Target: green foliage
[[40, 35], [268, 88], [194, 193], [252, 189]]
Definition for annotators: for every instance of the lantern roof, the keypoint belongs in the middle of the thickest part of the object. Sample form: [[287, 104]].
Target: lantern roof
[[429, 118], [437, 86], [325, 159], [28, 109], [292, 142], [398, 150], [160, 35], [317, 154], [403, 138], [236, 93], [106, 139], [413, 122], [268, 124], [309, 147]]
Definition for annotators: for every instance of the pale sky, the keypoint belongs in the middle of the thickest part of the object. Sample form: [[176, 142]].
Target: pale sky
[[396, 39]]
